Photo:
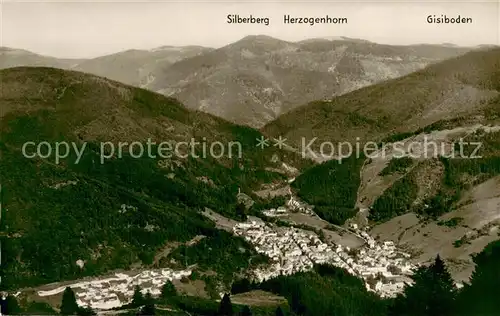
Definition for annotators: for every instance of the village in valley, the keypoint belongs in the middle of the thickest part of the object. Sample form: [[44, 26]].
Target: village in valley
[[290, 245], [384, 268]]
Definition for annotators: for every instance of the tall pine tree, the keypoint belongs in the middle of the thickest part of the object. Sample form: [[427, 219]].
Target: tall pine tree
[[432, 294], [137, 297], [68, 304], [225, 307], [149, 306], [481, 297], [168, 290]]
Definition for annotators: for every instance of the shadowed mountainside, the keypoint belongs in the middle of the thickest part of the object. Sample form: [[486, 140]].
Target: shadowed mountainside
[[59, 212]]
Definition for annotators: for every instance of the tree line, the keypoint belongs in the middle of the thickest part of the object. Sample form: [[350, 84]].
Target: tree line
[[329, 290]]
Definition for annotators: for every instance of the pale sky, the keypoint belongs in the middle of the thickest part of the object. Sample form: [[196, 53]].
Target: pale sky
[[83, 29]]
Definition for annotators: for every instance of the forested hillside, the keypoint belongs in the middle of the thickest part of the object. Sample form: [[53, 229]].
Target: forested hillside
[[114, 212]]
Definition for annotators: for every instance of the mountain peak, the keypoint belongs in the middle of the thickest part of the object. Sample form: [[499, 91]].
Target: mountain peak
[[260, 40], [334, 39], [259, 44], [170, 48], [260, 37]]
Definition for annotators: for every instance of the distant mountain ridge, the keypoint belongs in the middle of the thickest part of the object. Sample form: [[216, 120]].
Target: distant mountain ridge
[[135, 67], [258, 78], [13, 57], [254, 80]]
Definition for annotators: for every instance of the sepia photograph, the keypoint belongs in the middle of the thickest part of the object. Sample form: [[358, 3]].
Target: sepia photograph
[[227, 158]]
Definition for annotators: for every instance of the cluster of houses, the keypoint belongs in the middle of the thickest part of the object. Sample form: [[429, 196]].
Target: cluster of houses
[[296, 205], [384, 269], [293, 204], [118, 290]]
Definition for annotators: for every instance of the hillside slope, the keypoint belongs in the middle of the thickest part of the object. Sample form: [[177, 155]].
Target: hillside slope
[[466, 86], [113, 210], [424, 203], [447, 205]]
